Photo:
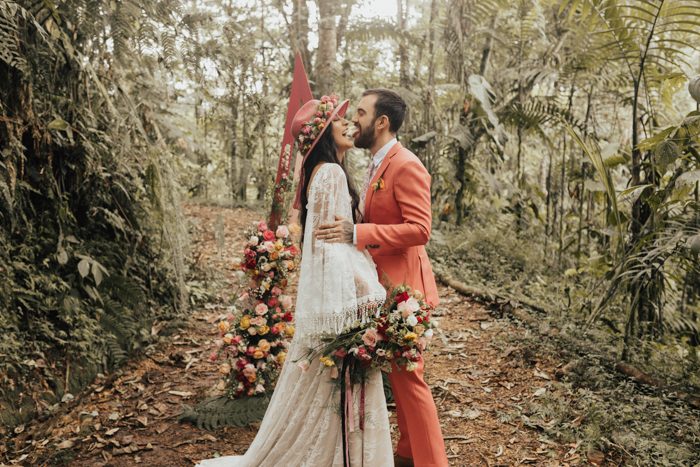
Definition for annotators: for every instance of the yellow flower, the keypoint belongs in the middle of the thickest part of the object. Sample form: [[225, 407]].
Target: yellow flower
[[224, 326], [245, 322], [264, 329], [274, 255], [327, 361], [281, 357], [290, 265], [410, 336], [264, 345], [279, 246], [379, 184], [258, 354], [228, 338], [295, 228], [225, 369], [289, 331]]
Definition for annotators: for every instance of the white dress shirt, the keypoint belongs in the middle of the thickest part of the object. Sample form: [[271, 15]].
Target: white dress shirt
[[377, 159]]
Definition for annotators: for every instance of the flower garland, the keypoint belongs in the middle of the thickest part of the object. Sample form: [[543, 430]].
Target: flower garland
[[253, 343]]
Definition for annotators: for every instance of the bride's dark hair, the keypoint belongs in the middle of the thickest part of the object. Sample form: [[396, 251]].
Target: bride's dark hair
[[325, 151]]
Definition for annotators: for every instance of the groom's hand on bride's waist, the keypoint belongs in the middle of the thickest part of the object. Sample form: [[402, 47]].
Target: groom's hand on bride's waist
[[339, 231]]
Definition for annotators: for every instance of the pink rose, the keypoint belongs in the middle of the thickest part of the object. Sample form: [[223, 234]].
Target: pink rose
[[272, 302], [261, 309], [286, 302], [282, 231], [258, 320], [269, 235], [370, 337], [213, 356], [276, 291], [262, 226]]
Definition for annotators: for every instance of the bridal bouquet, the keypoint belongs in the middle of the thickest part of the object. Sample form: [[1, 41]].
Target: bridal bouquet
[[404, 327], [400, 334]]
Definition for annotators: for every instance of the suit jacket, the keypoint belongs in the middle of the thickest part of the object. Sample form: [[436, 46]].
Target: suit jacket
[[397, 222]]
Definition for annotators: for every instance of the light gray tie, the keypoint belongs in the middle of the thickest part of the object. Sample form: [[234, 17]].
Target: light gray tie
[[365, 186]]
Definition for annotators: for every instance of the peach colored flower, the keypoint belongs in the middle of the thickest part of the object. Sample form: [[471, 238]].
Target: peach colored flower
[[225, 369], [370, 337]]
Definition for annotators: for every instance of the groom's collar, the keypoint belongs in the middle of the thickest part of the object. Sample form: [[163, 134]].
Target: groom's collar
[[378, 157]]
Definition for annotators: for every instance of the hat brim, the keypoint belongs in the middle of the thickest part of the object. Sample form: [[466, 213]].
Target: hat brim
[[339, 111]]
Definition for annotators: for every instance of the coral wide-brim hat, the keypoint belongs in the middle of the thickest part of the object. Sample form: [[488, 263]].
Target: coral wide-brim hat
[[309, 124], [313, 119]]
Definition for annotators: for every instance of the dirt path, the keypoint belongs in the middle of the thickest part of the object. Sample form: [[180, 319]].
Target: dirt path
[[479, 383]]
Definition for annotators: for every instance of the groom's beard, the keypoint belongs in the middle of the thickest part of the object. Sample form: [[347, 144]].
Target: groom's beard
[[365, 137]]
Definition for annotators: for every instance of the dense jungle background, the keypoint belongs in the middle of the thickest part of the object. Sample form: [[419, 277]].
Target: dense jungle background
[[563, 139]]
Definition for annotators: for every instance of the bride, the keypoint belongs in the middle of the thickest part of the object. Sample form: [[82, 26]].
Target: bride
[[337, 285]]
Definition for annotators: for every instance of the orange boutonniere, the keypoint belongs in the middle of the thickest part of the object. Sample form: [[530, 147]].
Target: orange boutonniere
[[379, 184]]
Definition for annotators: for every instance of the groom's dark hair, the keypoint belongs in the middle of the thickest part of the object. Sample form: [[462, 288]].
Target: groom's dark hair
[[390, 104]]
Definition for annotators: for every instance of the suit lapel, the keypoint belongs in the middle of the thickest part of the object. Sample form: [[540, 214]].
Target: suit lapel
[[378, 174]]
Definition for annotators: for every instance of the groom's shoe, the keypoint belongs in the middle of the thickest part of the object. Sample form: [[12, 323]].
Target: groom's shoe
[[402, 461]]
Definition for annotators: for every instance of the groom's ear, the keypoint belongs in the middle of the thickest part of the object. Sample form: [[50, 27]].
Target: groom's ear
[[383, 122]]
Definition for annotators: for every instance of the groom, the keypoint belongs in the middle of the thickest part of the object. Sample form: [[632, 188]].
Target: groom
[[395, 205]]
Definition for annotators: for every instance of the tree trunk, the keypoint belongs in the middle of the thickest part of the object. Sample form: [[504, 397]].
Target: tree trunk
[[326, 53], [299, 32], [402, 11], [428, 120]]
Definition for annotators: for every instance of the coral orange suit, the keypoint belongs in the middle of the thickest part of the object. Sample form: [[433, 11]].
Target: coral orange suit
[[396, 226]]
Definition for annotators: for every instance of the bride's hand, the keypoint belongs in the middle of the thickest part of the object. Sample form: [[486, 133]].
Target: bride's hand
[[339, 231]]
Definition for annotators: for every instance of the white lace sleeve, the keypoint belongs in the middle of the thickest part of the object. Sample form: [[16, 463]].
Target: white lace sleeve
[[338, 284]]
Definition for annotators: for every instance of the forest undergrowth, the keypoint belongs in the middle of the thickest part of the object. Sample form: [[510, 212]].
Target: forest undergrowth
[[594, 401]]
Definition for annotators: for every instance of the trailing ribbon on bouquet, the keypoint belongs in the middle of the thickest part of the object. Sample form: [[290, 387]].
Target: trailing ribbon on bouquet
[[346, 401]]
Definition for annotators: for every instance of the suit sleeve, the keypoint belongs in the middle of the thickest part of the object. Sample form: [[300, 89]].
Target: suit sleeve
[[412, 193]]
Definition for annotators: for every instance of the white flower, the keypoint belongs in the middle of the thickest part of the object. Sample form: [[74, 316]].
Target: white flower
[[259, 388], [412, 304], [412, 320], [428, 334], [253, 240]]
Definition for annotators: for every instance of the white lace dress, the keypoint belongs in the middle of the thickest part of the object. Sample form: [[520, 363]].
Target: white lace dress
[[337, 283]]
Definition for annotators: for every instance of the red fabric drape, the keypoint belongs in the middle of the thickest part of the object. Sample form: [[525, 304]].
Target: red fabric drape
[[298, 96]]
